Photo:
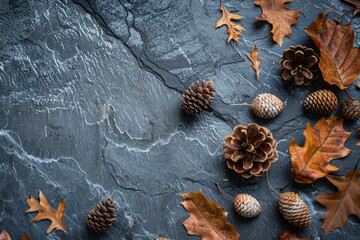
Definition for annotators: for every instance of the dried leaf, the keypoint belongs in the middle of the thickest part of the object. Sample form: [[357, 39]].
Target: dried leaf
[[45, 212], [339, 60], [323, 143], [340, 205], [207, 219], [253, 57], [4, 235], [26, 237], [356, 3], [280, 17], [288, 235], [233, 29]]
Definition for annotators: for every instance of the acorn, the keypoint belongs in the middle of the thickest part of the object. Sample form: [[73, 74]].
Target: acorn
[[244, 204], [294, 210]]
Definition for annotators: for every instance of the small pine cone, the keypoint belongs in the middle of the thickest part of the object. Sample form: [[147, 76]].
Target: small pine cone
[[267, 105], [246, 205], [250, 150], [300, 65], [321, 102], [197, 98], [294, 209], [103, 216], [350, 109]]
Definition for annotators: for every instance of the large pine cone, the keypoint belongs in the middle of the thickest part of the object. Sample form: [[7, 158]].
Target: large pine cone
[[350, 109], [321, 102], [197, 98], [250, 150], [103, 216], [300, 65]]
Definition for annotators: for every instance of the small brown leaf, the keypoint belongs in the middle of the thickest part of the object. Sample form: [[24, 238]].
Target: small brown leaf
[[356, 3], [339, 60], [207, 219], [45, 212], [323, 143], [26, 237], [288, 235], [253, 57], [234, 30], [280, 17], [340, 205], [4, 235]]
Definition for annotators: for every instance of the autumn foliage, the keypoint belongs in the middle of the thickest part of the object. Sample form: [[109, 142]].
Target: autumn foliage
[[343, 203], [339, 60], [233, 29], [323, 143], [207, 219], [46, 212], [280, 17]]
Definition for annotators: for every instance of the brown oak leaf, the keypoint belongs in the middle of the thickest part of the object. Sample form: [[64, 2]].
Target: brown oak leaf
[[253, 57], [323, 142], [339, 60], [280, 17], [207, 219], [233, 29], [5, 235], [356, 3], [46, 212], [343, 203], [288, 235]]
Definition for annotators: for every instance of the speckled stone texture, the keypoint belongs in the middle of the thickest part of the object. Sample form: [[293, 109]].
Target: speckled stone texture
[[90, 107]]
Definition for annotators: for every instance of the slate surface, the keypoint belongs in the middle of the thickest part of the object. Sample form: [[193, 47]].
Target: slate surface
[[90, 96]]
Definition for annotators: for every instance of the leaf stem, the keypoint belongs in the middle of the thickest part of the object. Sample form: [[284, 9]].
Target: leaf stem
[[219, 188], [348, 94], [267, 179]]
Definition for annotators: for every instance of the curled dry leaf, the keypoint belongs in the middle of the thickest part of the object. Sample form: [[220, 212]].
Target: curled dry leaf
[[207, 219], [234, 30], [356, 3], [254, 58], [288, 235], [4, 235], [280, 17], [45, 212], [323, 142], [343, 203], [339, 60]]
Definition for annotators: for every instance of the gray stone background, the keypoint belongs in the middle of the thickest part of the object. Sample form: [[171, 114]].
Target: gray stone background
[[90, 95]]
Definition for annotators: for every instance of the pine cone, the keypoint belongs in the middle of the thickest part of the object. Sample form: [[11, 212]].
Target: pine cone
[[321, 102], [250, 150], [350, 109], [267, 105], [300, 65], [294, 210], [197, 98], [246, 205], [103, 216]]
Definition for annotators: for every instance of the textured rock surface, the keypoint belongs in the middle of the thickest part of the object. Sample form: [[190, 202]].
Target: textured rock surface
[[90, 95]]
